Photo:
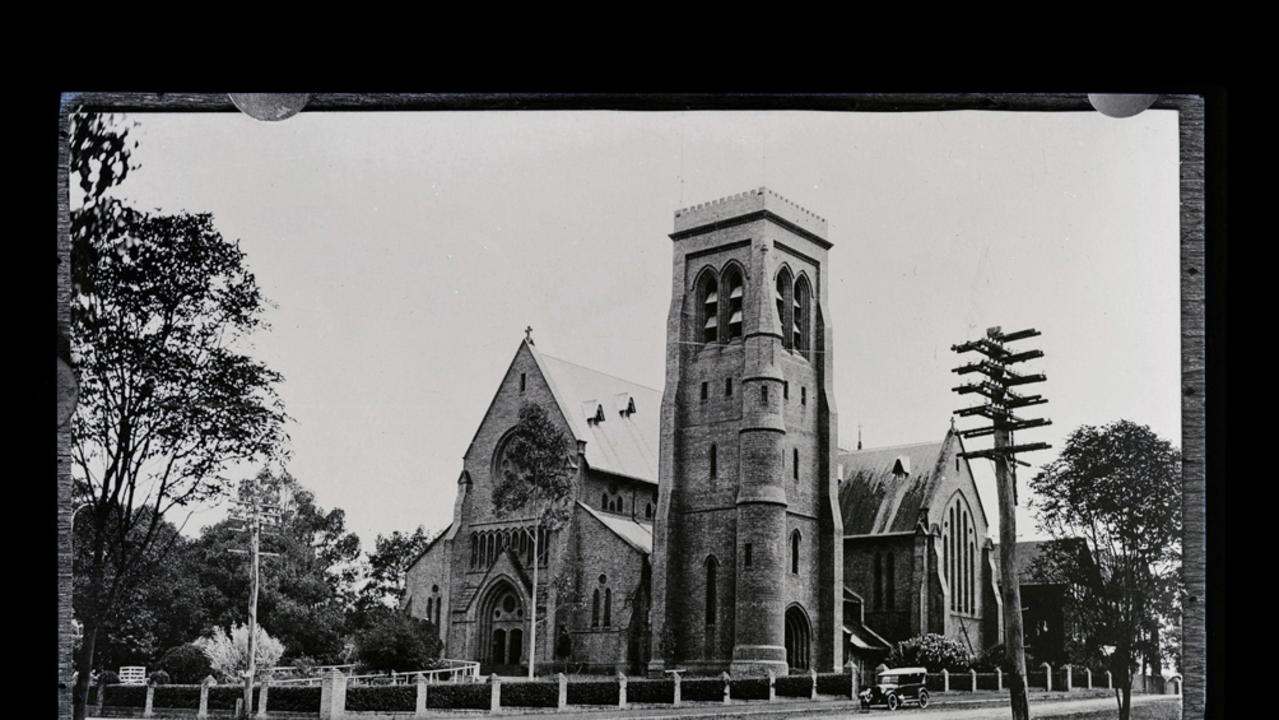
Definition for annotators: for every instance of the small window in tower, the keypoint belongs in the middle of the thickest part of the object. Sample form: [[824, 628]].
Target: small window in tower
[[648, 511], [523, 381], [705, 391], [795, 463], [604, 501], [747, 552], [803, 396], [763, 394], [714, 457], [728, 387], [786, 390]]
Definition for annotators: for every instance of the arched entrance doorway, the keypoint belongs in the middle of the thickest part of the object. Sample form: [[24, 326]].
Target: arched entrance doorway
[[798, 634], [502, 621]]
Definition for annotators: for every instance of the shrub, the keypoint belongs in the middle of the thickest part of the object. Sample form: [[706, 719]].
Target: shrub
[[294, 699], [186, 664], [531, 694], [465, 696], [793, 685], [387, 698], [651, 691], [159, 677], [834, 684], [593, 692], [229, 654], [223, 697], [184, 697], [705, 689], [932, 651], [755, 688], [108, 677], [398, 641]]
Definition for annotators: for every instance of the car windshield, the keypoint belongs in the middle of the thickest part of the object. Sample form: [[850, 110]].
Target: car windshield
[[889, 679]]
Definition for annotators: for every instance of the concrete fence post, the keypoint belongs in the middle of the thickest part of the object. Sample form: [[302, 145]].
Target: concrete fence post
[[945, 680], [621, 691], [495, 693], [854, 676], [148, 709], [725, 677], [562, 702], [238, 712], [1070, 679], [972, 676], [333, 696], [772, 680], [1048, 675], [263, 689], [102, 696], [999, 679], [419, 708], [812, 674], [1088, 677], [1110, 681], [203, 712], [675, 700]]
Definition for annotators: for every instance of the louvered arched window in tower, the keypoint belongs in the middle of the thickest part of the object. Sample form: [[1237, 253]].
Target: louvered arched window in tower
[[708, 307], [733, 308], [784, 297], [802, 324]]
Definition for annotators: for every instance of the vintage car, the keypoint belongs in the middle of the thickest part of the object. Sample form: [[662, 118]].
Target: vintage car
[[896, 686]]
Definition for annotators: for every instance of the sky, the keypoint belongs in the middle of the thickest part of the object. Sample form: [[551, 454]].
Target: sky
[[405, 253]]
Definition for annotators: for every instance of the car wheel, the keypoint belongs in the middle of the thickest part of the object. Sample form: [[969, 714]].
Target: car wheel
[[894, 702], [923, 698]]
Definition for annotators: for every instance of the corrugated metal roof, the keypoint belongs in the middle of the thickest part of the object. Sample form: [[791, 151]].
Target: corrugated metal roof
[[874, 500], [637, 535], [623, 443]]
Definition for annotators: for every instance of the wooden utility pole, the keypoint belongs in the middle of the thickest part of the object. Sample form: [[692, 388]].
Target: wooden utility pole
[[253, 509], [1001, 401]]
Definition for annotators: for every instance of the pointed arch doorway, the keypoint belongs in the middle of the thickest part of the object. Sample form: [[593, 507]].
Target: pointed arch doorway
[[502, 621], [798, 639]]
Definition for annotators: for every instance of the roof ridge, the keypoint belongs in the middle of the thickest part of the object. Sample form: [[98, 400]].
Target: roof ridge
[[882, 448], [599, 372]]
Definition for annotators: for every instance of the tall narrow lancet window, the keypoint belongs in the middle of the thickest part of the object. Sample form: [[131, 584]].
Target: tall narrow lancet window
[[595, 609], [890, 582], [714, 458], [708, 307], [879, 581], [794, 552], [711, 567], [733, 309], [783, 297], [803, 330], [608, 607]]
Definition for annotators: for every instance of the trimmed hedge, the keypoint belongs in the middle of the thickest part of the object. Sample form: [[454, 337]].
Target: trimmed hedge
[[462, 696], [834, 684], [529, 694], [793, 686], [1059, 679], [652, 691], [593, 692], [125, 696], [223, 697], [702, 689], [284, 698], [934, 683], [183, 697], [755, 688], [961, 682], [987, 681], [1038, 679], [389, 698]]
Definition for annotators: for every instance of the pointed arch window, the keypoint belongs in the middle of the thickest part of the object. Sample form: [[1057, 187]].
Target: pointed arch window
[[794, 552], [732, 310], [795, 463], [708, 307], [608, 607], [712, 566], [595, 609], [783, 297], [802, 321]]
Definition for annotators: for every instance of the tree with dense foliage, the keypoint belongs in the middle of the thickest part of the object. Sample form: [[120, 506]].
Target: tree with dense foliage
[[389, 563], [160, 307], [229, 653], [304, 591], [1118, 487], [398, 641], [186, 664]]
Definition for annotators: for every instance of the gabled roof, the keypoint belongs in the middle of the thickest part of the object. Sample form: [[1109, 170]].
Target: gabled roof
[[623, 443], [637, 535], [873, 499]]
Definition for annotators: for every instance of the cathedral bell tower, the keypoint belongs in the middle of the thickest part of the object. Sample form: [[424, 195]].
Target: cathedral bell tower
[[747, 560]]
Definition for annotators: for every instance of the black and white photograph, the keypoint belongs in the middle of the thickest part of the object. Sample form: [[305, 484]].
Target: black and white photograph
[[428, 408]]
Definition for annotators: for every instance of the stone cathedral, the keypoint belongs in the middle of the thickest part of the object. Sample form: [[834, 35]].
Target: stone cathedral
[[717, 525]]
